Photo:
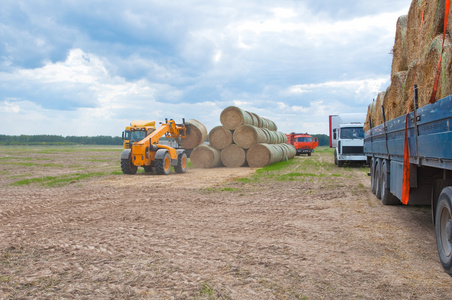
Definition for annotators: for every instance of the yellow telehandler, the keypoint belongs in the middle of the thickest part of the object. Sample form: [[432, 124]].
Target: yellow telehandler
[[151, 155]]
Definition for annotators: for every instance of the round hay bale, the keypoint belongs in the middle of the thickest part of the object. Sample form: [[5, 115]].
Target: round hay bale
[[394, 106], [425, 77], [445, 84], [205, 156], [261, 155], [267, 123], [399, 51], [232, 117], [408, 93], [233, 156], [220, 137], [368, 120], [196, 134], [259, 121], [247, 135], [377, 119]]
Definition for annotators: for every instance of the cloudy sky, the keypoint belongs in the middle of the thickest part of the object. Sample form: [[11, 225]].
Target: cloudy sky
[[76, 67]]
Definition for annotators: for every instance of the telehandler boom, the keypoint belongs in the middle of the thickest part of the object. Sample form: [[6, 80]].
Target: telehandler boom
[[149, 154]]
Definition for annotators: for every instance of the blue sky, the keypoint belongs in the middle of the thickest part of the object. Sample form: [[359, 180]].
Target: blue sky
[[77, 67]]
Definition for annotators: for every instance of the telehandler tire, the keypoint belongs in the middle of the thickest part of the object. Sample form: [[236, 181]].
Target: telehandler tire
[[181, 163], [127, 167], [163, 165]]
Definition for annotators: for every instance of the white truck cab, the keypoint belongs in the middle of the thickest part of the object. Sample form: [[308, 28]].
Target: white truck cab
[[348, 139]]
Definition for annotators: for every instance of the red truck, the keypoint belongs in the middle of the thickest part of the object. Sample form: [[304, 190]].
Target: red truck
[[303, 142]]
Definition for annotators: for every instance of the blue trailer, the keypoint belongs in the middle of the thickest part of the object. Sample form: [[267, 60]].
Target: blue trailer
[[429, 131]]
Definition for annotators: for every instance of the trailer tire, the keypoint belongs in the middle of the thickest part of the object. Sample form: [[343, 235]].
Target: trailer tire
[[163, 165], [378, 185], [309, 153], [386, 197], [443, 229], [181, 163], [373, 185]]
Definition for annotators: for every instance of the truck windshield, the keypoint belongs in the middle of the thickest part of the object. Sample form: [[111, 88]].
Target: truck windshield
[[305, 139], [137, 135], [352, 133]]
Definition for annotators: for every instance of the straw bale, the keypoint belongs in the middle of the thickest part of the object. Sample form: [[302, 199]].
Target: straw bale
[[399, 51], [232, 117], [205, 156], [196, 134], [261, 155], [445, 83], [220, 137], [368, 120], [393, 101], [247, 135], [377, 118], [233, 156]]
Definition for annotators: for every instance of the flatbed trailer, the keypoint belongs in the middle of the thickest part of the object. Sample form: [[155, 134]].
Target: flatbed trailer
[[429, 132]]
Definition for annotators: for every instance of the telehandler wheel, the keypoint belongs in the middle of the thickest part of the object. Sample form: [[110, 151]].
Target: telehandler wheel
[[127, 167], [163, 166], [443, 228], [181, 163]]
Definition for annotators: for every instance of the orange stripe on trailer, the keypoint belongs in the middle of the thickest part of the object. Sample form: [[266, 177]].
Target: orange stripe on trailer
[[406, 166]]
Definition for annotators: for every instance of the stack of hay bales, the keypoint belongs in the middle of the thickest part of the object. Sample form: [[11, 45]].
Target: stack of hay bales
[[415, 59], [244, 138]]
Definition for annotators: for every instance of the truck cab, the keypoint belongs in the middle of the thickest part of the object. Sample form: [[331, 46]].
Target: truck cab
[[349, 140], [303, 142]]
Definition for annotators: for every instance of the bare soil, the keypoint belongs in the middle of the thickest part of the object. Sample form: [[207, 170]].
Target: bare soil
[[318, 234]]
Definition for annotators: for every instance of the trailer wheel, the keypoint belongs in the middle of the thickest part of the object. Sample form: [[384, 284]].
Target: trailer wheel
[[127, 166], [378, 183], [163, 165], [373, 185], [309, 153], [386, 197], [443, 228], [181, 163]]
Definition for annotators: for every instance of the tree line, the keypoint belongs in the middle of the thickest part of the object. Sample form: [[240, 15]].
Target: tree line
[[59, 140], [87, 140], [324, 140]]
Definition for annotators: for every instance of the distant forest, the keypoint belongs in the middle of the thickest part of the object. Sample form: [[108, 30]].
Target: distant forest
[[324, 140], [59, 140], [86, 140]]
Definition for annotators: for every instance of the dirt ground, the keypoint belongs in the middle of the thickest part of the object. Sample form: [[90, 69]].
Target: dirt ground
[[312, 231]]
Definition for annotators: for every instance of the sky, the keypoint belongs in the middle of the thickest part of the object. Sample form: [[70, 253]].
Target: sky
[[88, 68]]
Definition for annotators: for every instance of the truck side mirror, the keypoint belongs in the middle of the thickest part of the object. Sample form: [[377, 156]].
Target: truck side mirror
[[334, 134], [123, 135]]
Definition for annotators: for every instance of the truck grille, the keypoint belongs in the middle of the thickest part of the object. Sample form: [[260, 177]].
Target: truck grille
[[352, 150]]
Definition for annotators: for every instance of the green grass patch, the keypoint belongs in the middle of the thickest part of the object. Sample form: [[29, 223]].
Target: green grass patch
[[52, 181], [32, 164]]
